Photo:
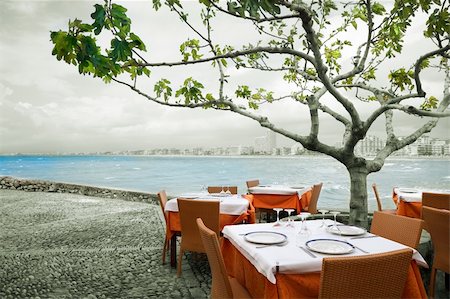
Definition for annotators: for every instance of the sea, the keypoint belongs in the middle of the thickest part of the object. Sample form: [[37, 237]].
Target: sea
[[185, 174]]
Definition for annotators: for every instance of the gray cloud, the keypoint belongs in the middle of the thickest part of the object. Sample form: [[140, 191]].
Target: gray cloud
[[46, 106]]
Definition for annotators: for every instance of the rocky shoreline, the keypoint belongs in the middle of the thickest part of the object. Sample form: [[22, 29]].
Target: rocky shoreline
[[29, 185]]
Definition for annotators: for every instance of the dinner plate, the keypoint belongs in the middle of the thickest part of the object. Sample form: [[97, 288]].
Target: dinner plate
[[329, 246], [221, 194], [189, 195], [346, 230], [401, 190], [264, 237]]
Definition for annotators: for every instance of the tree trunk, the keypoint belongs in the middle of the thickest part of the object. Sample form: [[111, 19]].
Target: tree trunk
[[358, 196]]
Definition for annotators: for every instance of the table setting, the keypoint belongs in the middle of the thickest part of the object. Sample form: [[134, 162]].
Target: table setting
[[301, 246]]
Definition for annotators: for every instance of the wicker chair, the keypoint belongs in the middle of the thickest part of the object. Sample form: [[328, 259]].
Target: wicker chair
[[371, 276], [438, 224], [218, 189], [252, 183], [401, 229], [377, 197], [189, 211], [436, 200], [222, 286], [312, 206], [162, 196]]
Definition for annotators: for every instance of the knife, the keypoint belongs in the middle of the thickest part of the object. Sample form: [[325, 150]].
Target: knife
[[308, 252]]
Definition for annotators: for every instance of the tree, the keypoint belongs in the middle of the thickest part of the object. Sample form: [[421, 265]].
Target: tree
[[298, 43]]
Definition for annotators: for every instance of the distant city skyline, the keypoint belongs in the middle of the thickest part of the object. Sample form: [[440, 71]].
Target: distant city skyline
[[47, 107]]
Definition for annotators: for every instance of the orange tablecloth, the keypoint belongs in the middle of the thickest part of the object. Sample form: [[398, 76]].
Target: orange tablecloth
[[270, 201], [295, 285], [405, 208]]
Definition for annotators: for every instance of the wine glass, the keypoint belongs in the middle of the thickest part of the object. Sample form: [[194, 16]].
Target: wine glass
[[335, 227], [228, 190], [323, 212], [203, 189], [222, 191], [278, 210], [304, 228], [290, 214]]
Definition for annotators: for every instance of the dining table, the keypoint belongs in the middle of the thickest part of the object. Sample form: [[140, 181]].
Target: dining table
[[280, 196], [409, 200], [233, 209], [284, 261]]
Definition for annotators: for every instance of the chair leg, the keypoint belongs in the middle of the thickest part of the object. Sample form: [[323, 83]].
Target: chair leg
[[166, 245], [179, 262], [432, 282]]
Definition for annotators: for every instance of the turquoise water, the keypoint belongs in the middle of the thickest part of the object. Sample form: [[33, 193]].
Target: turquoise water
[[180, 174]]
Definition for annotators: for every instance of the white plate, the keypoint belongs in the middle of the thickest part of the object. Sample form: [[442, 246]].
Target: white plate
[[330, 246], [346, 230], [189, 195], [221, 194], [404, 190], [265, 237]]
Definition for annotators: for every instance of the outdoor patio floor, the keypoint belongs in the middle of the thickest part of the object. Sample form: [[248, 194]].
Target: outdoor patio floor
[[55, 245]]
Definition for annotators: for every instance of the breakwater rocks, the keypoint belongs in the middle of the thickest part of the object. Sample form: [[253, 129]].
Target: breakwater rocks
[[29, 185]]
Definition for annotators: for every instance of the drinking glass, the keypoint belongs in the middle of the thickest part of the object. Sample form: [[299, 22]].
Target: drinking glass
[[290, 214], [304, 228], [335, 213], [203, 189], [228, 190], [278, 210], [323, 212]]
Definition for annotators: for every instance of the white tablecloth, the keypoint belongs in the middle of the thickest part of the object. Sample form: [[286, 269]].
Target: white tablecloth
[[290, 258], [230, 205], [277, 189], [414, 195]]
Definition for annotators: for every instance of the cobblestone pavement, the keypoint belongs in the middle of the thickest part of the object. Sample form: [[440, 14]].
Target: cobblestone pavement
[[74, 246], [58, 245]]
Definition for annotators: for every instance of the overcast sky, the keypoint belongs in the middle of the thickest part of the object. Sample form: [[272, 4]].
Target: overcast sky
[[46, 106]]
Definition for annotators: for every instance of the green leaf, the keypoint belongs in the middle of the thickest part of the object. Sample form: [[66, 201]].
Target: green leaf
[[64, 46], [119, 18], [99, 18], [120, 50], [137, 42]]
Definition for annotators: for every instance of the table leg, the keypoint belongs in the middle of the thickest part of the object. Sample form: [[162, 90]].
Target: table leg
[[173, 251]]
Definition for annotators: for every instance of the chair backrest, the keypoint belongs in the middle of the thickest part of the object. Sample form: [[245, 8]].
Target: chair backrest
[[436, 200], [438, 224], [252, 183], [380, 275], [218, 189], [190, 210], [162, 196], [220, 287], [312, 206], [401, 229], [377, 197]]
